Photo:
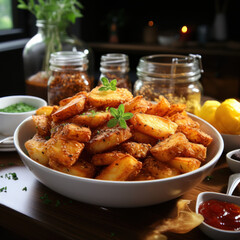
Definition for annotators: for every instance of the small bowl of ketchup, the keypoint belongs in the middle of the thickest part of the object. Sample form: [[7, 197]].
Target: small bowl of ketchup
[[221, 212]]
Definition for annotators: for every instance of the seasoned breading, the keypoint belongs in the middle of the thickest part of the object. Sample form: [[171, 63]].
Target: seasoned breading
[[160, 108], [196, 135], [75, 106], [137, 104], [81, 168], [152, 125], [107, 138], [172, 147], [182, 119], [122, 169], [102, 159], [137, 150], [37, 148], [196, 151], [65, 152], [159, 169], [185, 164], [72, 131], [65, 101], [45, 110], [90, 119], [109, 98], [176, 108], [42, 124], [143, 138]]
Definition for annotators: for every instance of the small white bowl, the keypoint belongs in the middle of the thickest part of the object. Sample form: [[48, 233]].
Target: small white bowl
[[231, 142], [118, 193], [10, 121], [216, 233], [233, 164]]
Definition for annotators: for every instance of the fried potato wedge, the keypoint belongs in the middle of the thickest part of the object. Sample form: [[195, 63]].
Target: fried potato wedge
[[109, 98], [137, 104], [185, 164], [172, 147], [182, 119], [152, 125], [160, 108], [91, 120], [196, 135], [143, 138], [74, 107], [72, 131], [42, 124], [45, 110], [196, 150], [122, 169], [102, 159], [81, 168], [107, 138], [137, 150], [36, 148], [159, 169], [65, 152], [176, 108], [65, 101]]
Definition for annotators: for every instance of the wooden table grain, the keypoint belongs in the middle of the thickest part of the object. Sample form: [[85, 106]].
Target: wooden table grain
[[32, 211]]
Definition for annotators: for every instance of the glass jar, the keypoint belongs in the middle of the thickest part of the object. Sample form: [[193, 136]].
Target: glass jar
[[36, 54], [116, 66], [177, 77], [69, 75]]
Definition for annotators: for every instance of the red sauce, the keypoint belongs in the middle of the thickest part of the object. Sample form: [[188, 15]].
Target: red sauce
[[220, 214]]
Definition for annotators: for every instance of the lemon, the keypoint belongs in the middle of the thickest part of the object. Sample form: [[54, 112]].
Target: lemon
[[227, 117], [208, 109]]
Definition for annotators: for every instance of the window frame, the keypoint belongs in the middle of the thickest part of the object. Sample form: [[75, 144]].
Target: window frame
[[20, 26]]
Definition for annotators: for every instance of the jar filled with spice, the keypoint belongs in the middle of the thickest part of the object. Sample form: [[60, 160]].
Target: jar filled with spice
[[176, 77], [69, 75], [116, 66]]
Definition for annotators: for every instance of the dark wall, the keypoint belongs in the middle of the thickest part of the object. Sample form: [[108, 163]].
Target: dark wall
[[11, 68], [168, 15]]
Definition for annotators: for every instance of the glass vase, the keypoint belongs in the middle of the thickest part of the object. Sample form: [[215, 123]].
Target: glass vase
[[50, 38]]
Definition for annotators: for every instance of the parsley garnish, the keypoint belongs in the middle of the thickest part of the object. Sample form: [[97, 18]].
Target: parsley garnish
[[24, 189], [93, 113], [119, 117], [108, 85], [3, 189]]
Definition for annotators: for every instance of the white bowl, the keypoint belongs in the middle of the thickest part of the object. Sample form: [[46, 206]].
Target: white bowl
[[9, 121], [231, 142], [233, 164], [216, 233], [213, 232], [116, 193]]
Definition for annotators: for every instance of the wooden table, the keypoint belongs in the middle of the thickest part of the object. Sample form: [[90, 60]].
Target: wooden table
[[33, 211]]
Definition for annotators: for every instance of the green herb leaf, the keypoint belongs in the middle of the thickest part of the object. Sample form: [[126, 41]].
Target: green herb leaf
[[119, 117], [108, 85], [112, 122], [61, 12]]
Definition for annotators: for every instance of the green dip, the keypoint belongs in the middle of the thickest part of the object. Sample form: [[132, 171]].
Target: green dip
[[18, 108]]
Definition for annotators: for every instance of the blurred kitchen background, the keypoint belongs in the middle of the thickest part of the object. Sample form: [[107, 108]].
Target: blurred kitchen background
[[139, 28]]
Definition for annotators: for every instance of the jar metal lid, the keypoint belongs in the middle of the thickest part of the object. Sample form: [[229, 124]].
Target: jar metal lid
[[68, 58], [170, 66]]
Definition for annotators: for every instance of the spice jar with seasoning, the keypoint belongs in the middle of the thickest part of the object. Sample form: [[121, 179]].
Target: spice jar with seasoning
[[176, 77], [69, 75], [116, 66]]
